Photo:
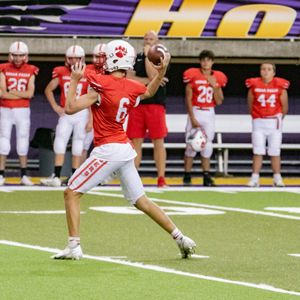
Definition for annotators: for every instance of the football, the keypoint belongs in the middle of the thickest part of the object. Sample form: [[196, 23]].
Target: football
[[156, 52]]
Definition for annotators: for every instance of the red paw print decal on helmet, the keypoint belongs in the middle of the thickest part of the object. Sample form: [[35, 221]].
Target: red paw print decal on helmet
[[120, 51]]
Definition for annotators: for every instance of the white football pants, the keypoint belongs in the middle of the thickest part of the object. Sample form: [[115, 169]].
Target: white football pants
[[20, 117], [66, 125]]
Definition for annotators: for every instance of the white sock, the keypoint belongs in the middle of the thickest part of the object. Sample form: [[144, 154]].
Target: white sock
[[255, 177], [177, 234], [73, 241], [277, 177]]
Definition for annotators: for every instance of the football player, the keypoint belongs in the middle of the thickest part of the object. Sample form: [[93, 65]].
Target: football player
[[203, 92], [113, 151], [67, 124], [268, 104], [17, 85]]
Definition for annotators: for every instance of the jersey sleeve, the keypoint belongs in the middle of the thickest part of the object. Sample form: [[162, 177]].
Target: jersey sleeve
[[95, 81], [56, 72], [34, 70], [187, 76], [2, 67], [249, 83], [283, 83], [221, 79]]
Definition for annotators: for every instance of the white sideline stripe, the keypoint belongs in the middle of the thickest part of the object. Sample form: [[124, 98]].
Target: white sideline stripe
[[169, 189], [36, 212], [198, 256], [139, 265], [241, 210], [296, 254]]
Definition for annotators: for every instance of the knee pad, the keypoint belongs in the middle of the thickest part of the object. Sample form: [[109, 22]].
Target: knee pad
[[22, 146], [60, 145], [23, 139], [274, 151], [4, 145], [259, 150], [208, 150], [189, 152], [77, 147]]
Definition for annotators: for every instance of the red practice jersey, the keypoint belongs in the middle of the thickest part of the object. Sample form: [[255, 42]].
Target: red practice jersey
[[17, 79], [203, 93], [118, 96], [63, 74], [266, 102]]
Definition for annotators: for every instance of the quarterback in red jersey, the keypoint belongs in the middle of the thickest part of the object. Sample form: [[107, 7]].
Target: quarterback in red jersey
[[99, 58], [113, 151], [67, 124], [202, 93], [17, 88], [268, 104]]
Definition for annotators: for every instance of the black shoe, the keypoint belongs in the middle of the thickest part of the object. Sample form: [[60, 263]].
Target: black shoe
[[207, 180], [187, 179]]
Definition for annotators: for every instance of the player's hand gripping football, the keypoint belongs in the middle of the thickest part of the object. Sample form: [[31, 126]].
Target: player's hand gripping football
[[78, 70], [164, 62]]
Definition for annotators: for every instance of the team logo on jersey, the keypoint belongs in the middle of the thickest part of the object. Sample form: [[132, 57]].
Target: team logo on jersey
[[120, 51]]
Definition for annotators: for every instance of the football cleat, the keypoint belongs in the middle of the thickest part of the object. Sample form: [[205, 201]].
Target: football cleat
[[25, 180], [186, 246], [187, 179], [253, 183], [278, 183], [51, 181], [207, 180], [69, 253], [2, 180]]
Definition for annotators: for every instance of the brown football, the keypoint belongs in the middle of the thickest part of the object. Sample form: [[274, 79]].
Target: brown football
[[156, 52]]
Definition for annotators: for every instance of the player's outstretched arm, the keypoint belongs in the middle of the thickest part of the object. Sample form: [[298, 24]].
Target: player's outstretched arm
[[155, 82], [74, 105]]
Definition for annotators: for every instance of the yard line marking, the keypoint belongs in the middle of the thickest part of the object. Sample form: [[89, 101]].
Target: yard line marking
[[156, 268], [199, 256], [36, 212], [296, 254], [235, 209], [241, 210], [5, 190], [293, 210]]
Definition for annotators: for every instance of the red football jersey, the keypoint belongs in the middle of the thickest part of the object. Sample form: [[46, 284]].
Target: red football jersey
[[266, 100], [203, 93], [91, 68], [117, 97], [17, 79], [63, 73]]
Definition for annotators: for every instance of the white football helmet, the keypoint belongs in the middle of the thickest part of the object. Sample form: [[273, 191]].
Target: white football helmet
[[18, 48], [120, 55], [74, 51], [99, 56], [196, 137]]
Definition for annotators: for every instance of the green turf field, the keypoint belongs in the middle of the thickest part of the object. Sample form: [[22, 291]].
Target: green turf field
[[244, 240]]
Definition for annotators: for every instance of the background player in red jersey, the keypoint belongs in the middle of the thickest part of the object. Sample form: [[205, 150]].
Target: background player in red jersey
[[17, 85], [203, 92], [67, 124], [113, 151], [268, 104], [97, 66], [149, 118]]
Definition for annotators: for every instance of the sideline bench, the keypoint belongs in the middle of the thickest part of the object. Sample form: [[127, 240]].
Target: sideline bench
[[234, 124]]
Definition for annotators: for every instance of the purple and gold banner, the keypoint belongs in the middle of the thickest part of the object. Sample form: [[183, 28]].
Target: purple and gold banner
[[173, 18]]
